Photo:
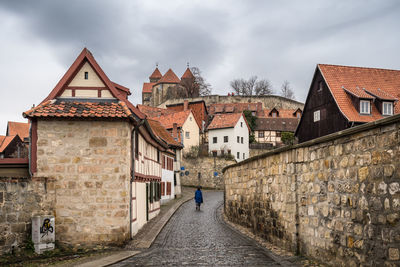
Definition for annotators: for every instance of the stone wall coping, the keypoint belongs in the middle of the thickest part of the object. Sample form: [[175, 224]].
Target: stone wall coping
[[326, 138]]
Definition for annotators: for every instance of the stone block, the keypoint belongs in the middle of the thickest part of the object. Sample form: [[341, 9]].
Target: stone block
[[97, 142], [393, 254]]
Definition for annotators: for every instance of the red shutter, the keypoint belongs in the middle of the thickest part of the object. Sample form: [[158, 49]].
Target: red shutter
[[162, 188], [168, 188]]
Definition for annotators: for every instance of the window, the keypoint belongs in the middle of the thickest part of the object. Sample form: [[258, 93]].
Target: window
[[317, 115], [387, 108], [320, 86], [238, 155], [158, 156], [273, 114], [190, 118], [238, 139], [261, 134], [365, 107], [187, 135], [278, 134], [241, 124], [86, 75], [244, 156], [241, 140], [253, 113], [225, 139], [214, 153], [298, 115], [215, 140]]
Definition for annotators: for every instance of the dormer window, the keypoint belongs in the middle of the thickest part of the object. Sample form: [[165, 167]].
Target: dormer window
[[365, 107], [387, 108], [273, 114], [86, 75]]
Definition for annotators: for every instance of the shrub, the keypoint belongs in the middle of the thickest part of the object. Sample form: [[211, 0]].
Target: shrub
[[287, 138]]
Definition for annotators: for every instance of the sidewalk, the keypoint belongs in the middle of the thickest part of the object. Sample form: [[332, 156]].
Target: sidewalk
[[142, 240]]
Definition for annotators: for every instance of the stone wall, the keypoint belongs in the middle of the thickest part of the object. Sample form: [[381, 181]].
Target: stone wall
[[269, 101], [89, 162], [335, 198], [20, 199], [204, 165]]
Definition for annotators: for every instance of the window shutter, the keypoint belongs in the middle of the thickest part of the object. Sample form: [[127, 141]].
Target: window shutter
[[151, 192]]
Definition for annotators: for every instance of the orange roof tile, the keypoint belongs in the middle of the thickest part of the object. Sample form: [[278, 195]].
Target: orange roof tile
[[153, 111], [148, 87], [122, 88], [227, 120], [156, 74], [235, 107], [369, 79], [277, 124], [169, 77], [162, 133], [283, 113], [67, 109], [358, 92], [187, 74], [6, 141], [18, 128], [168, 120]]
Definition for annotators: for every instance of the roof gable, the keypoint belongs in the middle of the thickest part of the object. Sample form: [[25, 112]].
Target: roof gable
[[117, 91], [169, 77], [6, 141], [18, 128], [226, 120], [156, 74], [168, 120], [187, 74], [162, 133]]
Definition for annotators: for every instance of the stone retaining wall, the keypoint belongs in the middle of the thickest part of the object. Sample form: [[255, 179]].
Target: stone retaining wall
[[335, 198], [204, 165], [20, 199]]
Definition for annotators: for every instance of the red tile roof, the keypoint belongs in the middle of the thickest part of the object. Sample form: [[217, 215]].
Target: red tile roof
[[187, 74], [358, 92], [283, 113], [169, 77], [227, 120], [156, 74], [198, 109], [369, 79], [148, 87], [5, 141], [18, 128], [63, 109], [235, 107], [153, 111], [122, 88], [277, 124], [162, 133], [168, 120]]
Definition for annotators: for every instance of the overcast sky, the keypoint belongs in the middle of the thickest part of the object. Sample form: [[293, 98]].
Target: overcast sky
[[275, 40]]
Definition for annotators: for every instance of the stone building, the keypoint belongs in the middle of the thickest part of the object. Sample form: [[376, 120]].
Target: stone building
[[98, 156], [168, 86]]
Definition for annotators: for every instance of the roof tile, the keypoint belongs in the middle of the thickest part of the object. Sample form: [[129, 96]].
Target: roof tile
[[18, 128], [169, 77], [227, 120]]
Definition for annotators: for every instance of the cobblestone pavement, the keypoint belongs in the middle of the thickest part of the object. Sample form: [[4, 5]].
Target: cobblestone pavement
[[201, 238]]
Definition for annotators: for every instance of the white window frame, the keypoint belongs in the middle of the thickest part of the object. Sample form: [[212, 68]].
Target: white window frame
[[387, 108], [317, 115], [365, 107], [187, 135], [215, 138]]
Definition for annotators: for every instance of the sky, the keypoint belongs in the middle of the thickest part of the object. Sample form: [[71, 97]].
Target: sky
[[226, 40]]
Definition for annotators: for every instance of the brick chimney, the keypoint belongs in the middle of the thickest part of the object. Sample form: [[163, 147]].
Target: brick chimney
[[175, 131], [185, 105]]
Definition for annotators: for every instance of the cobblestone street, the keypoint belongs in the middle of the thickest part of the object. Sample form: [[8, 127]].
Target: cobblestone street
[[201, 238]]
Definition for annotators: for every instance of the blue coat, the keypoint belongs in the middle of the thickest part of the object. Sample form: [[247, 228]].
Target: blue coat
[[198, 196]]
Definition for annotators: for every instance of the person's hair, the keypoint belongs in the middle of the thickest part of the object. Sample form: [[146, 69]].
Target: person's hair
[[199, 188]]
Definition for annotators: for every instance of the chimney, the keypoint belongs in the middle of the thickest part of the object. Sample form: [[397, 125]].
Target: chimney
[[185, 105], [175, 131]]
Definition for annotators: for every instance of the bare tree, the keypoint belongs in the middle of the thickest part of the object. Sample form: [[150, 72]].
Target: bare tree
[[286, 90], [252, 86], [196, 86], [203, 86]]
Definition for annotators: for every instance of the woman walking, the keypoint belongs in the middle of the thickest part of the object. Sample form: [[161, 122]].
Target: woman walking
[[198, 197]]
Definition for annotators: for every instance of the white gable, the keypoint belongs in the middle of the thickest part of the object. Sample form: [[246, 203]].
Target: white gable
[[92, 79]]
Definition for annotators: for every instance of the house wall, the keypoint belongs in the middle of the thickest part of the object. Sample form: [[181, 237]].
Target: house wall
[[241, 131], [190, 126], [331, 120], [89, 162], [167, 177], [336, 198], [92, 81], [269, 137]]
